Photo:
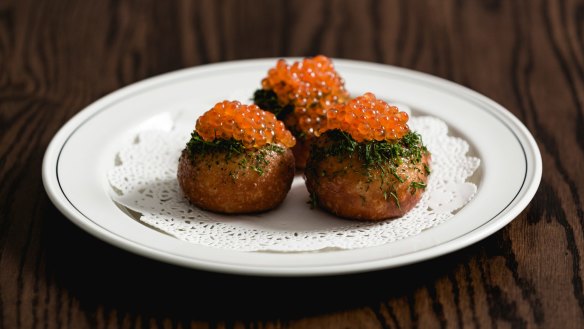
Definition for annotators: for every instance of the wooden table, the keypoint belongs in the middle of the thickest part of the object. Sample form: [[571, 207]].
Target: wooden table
[[56, 57]]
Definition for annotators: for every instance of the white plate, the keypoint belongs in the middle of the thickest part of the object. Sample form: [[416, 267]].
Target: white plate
[[81, 152]]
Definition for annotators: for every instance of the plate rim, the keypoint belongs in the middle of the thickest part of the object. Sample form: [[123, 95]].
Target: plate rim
[[525, 193]]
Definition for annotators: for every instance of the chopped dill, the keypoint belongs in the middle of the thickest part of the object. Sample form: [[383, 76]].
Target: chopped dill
[[378, 158], [197, 145], [414, 186], [273, 148], [254, 159], [394, 196], [372, 153], [267, 100], [427, 169], [394, 173]]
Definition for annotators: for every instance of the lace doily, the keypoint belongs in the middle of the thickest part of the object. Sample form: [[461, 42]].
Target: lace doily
[[143, 181]]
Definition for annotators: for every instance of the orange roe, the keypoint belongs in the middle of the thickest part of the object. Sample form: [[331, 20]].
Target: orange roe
[[246, 123], [311, 86], [367, 118]]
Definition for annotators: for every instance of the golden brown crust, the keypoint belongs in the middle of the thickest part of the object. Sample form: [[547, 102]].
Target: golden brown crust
[[211, 182], [342, 187], [301, 151]]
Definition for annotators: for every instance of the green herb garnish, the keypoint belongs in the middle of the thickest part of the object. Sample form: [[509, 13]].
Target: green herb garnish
[[267, 100], [394, 196], [254, 159], [372, 153], [427, 169], [197, 145], [414, 186], [378, 158]]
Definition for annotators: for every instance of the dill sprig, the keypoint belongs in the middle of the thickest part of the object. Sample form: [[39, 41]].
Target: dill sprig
[[372, 153]]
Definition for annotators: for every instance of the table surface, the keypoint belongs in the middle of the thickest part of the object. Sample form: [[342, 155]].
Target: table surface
[[56, 57]]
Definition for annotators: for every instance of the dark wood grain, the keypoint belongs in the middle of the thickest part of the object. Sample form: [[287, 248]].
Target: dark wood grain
[[56, 57]]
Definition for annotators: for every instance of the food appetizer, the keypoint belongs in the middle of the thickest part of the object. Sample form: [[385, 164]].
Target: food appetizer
[[366, 163], [238, 160], [300, 94]]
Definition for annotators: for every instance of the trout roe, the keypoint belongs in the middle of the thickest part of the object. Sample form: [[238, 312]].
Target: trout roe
[[367, 118], [311, 86], [246, 123]]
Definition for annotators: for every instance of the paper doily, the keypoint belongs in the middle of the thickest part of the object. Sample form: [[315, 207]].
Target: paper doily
[[143, 180]]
